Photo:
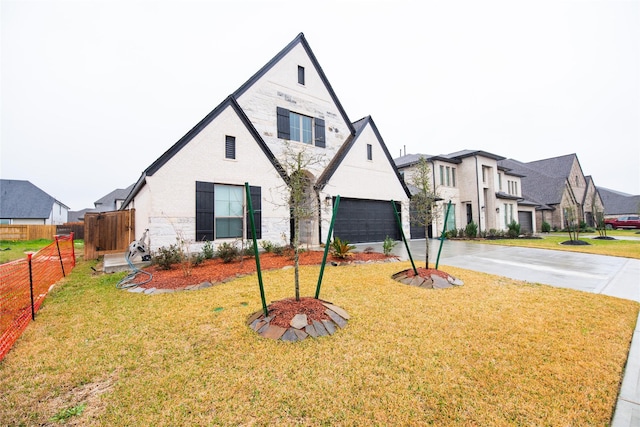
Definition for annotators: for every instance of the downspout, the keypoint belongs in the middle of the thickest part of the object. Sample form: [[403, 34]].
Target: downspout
[[478, 194]]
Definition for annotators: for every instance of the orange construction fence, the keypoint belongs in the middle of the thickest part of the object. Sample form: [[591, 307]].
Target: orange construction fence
[[24, 284]]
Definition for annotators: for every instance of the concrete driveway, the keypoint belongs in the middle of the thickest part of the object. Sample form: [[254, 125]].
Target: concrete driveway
[[614, 276]]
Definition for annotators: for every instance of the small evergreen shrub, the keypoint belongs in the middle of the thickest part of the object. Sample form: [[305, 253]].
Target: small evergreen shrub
[[197, 259], [388, 245], [208, 252], [167, 256], [545, 227], [227, 252], [514, 229], [471, 230], [267, 246]]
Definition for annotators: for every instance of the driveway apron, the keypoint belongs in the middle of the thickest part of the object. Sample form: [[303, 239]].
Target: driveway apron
[[613, 276]]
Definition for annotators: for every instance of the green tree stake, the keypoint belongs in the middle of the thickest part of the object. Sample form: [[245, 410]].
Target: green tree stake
[[326, 246], [255, 250], [444, 229], [404, 239]]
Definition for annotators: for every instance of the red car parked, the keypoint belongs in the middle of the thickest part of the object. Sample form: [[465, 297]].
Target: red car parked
[[631, 221]]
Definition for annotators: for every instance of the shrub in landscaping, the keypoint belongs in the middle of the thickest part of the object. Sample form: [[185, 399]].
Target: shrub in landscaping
[[208, 252], [388, 245], [545, 227], [471, 230], [227, 252], [167, 256], [341, 248], [514, 229]]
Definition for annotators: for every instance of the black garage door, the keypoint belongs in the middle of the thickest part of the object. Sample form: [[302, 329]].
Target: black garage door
[[361, 221]]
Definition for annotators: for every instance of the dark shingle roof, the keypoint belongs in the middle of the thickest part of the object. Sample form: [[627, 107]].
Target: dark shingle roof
[[536, 186], [617, 203], [559, 167], [108, 201], [22, 199]]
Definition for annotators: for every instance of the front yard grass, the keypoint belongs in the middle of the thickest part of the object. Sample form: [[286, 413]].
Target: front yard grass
[[618, 247], [492, 352]]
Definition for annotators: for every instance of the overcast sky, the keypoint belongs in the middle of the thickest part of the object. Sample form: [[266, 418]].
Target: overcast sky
[[93, 92]]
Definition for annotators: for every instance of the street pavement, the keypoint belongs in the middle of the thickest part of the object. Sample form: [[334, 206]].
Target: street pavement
[[599, 274]]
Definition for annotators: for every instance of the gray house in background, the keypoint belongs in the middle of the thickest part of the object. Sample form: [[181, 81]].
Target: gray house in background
[[112, 201], [23, 203], [108, 203], [617, 203]]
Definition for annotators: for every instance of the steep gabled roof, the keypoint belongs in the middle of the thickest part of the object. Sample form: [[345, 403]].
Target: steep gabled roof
[[536, 186], [617, 203], [300, 39], [162, 160], [108, 200], [359, 126], [22, 199], [556, 166]]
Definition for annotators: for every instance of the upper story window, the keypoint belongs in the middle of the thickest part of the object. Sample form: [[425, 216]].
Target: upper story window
[[499, 182], [300, 75], [447, 176], [298, 127], [369, 152], [512, 187], [230, 147]]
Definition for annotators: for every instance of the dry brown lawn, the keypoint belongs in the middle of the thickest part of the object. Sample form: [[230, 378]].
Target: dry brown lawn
[[492, 352]]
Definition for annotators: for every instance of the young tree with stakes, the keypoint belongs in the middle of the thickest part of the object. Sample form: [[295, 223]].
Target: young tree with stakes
[[424, 201], [296, 161]]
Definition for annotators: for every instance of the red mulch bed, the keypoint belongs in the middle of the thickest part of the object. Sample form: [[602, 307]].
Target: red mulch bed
[[284, 310], [216, 271], [426, 272]]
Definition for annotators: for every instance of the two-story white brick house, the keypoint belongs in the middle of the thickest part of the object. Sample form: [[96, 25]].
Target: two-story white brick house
[[195, 191]]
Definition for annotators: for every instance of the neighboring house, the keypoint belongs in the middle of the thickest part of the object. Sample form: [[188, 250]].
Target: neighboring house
[[21, 202], [480, 191], [195, 190], [617, 203], [559, 188], [112, 201]]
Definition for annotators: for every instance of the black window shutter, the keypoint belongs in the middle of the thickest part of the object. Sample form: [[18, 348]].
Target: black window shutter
[[319, 130], [230, 147], [283, 123], [204, 211], [256, 204]]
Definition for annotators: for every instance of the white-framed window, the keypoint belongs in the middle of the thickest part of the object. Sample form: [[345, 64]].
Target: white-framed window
[[301, 75], [447, 176], [299, 127], [369, 152], [229, 211]]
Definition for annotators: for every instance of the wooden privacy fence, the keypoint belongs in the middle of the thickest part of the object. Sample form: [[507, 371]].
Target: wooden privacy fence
[[108, 232], [27, 232]]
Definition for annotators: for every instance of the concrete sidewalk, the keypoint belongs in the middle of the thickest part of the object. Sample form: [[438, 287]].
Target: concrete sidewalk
[[613, 276]]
